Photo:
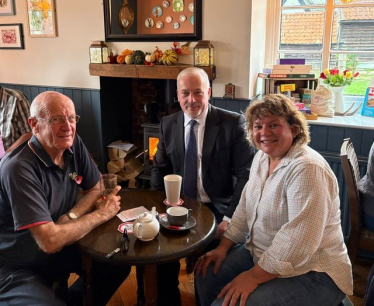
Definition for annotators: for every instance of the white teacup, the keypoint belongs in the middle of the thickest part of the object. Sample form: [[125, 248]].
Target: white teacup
[[173, 184], [178, 215]]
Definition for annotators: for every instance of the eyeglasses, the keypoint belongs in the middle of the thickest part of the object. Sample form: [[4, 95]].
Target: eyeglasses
[[61, 120], [125, 242]]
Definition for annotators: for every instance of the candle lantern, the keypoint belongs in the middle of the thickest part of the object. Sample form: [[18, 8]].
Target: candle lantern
[[203, 53], [99, 53]]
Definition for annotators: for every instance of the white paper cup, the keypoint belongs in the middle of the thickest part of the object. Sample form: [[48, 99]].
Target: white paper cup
[[173, 184]]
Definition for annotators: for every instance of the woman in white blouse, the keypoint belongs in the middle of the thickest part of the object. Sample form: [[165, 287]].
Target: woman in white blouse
[[284, 244]]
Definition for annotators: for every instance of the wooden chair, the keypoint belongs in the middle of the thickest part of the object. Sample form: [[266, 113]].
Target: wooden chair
[[359, 238]]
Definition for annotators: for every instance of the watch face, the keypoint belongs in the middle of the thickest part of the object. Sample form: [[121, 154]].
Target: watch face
[[229, 89], [72, 215]]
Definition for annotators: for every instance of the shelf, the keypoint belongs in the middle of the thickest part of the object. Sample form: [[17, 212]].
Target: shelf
[[143, 71]]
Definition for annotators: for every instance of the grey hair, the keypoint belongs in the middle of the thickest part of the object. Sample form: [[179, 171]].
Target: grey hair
[[194, 71]]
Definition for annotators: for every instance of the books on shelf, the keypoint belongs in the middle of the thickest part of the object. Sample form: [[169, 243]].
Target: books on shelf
[[290, 71], [292, 67], [287, 75], [291, 61]]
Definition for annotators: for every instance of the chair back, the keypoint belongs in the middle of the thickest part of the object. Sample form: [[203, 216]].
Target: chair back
[[351, 171]]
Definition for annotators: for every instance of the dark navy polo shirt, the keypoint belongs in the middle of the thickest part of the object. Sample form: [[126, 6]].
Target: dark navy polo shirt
[[34, 190]]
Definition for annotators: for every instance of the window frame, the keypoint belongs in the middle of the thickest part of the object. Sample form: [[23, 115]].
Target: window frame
[[273, 30]]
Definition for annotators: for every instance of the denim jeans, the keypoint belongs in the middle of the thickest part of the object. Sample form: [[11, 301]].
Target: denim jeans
[[313, 288]]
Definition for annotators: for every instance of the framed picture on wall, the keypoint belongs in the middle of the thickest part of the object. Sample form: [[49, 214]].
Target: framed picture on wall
[[11, 36], [7, 7], [41, 18]]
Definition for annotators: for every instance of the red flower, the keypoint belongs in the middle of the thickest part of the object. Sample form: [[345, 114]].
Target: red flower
[[75, 177], [323, 76], [356, 74], [334, 71], [345, 71], [78, 179]]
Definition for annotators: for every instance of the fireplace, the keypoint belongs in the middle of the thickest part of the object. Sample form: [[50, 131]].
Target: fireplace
[[150, 148], [125, 92]]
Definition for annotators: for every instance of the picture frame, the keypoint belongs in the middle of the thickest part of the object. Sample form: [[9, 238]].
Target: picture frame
[[368, 106], [168, 22], [7, 7], [41, 16], [11, 36]]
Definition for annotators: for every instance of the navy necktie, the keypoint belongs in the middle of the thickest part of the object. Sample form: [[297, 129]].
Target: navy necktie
[[190, 165]]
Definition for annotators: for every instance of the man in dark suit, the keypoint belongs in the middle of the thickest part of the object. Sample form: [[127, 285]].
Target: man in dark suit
[[224, 157]]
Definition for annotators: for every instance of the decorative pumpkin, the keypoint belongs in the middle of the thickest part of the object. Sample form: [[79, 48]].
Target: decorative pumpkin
[[169, 57], [150, 58], [128, 59], [138, 57], [158, 53], [121, 58]]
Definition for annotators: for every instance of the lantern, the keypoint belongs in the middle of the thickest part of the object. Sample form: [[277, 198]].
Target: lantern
[[203, 54], [99, 53]]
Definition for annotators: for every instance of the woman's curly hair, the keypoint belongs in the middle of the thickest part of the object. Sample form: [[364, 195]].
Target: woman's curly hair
[[278, 105]]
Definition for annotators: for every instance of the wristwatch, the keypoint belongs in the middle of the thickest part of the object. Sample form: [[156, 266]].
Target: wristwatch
[[71, 215]]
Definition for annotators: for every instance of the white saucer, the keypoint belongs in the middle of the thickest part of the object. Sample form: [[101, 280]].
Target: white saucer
[[179, 203], [191, 222]]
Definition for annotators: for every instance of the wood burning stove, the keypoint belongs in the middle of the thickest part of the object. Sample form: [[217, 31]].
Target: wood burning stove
[[150, 147]]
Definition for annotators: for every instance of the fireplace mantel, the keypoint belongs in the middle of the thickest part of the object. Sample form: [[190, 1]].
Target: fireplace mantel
[[143, 71]]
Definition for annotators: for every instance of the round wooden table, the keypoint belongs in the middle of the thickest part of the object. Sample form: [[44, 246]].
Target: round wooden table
[[168, 245]]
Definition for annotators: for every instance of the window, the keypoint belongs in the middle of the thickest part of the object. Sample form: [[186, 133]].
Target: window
[[327, 33]]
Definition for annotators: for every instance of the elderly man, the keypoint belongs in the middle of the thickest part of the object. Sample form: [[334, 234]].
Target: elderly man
[[40, 217], [14, 114], [207, 146]]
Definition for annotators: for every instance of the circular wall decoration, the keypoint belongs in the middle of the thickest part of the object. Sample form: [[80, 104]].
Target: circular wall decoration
[[159, 24], [165, 4], [178, 6], [192, 19], [176, 25], [168, 19], [149, 23], [157, 11], [191, 7], [182, 18]]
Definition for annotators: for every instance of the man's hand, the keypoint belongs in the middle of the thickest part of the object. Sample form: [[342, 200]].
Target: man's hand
[[111, 204], [221, 229], [238, 289]]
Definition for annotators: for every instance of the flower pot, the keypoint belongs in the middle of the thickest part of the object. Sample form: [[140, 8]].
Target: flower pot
[[338, 98]]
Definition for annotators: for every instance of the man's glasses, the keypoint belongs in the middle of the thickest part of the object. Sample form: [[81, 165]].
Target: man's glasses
[[61, 120], [125, 242]]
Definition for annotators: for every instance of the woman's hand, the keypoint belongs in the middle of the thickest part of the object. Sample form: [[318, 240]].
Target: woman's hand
[[217, 256], [238, 289]]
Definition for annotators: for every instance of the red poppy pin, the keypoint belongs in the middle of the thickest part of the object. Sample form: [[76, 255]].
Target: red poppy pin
[[75, 177]]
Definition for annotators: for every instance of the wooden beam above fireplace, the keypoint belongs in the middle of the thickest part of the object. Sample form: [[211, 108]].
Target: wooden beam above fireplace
[[143, 71]]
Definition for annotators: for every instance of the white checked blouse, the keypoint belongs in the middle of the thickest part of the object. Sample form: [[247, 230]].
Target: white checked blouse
[[290, 220]]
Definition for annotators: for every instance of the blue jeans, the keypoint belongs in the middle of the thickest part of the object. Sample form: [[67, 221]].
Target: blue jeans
[[313, 288]]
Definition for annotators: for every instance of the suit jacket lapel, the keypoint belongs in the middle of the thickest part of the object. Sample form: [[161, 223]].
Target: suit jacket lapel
[[179, 138], [210, 135]]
